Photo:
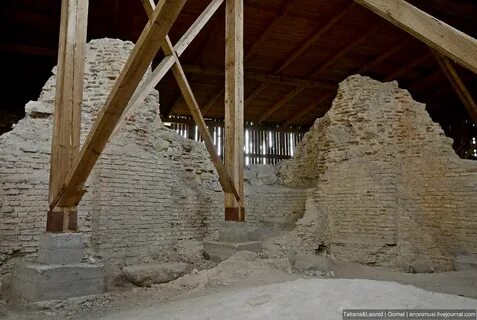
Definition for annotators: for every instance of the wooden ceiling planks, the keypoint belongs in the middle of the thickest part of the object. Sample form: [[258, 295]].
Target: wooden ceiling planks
[[277, 39]]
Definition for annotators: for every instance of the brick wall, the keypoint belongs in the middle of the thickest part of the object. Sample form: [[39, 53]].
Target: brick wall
[[387, 184], [149, 190]]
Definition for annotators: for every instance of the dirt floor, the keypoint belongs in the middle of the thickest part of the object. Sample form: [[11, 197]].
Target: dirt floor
[[247, 287]]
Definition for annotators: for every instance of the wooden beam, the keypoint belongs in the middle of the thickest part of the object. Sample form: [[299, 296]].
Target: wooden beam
[[329, 63], [211, 36], [166, 104], [317, 35], [149, 6], [438, 35], [262, 77], [179, 74], [234, 97], [279, 104], [338, 55], [422, 84], [178, 99], [307, 44], [322, 68], [381, 58], [266, 79], [160, 71], [28, 50], [144, 51], [409, 66], [213, 101], [458, 85], [284, 13], [224, 177], [69, 96], [255, 93], [275, 22], [288, 81], [297, 52], [313, 105], [145, 90], [197, 26]]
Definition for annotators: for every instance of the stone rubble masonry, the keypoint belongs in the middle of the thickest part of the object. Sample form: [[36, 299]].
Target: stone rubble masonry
[[387, 187], [149, 190]]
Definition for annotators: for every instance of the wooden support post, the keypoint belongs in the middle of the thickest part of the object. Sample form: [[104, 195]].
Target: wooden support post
[[67, 116], [144, 51], [234, 99]]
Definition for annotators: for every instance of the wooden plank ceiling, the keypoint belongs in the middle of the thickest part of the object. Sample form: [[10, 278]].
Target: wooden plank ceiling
[[296, 53]]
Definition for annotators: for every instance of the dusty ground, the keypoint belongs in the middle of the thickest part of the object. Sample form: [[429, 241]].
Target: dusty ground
[[247, 287], [298, 300]]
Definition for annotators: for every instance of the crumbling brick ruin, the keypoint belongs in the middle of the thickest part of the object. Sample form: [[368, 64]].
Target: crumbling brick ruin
[[378, 180], [150, 190], [386, 187]]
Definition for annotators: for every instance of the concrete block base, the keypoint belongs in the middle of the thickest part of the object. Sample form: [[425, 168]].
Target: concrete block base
[[40, 282], [60, 248], [231, 231], [219, 251]]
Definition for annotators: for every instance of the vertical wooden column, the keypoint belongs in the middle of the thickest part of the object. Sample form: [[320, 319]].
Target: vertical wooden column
[[234, 103], [67, 116]]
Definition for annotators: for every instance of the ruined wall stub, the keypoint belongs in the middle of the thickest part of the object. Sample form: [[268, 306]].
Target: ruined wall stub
[[150, 190], [387, 184]]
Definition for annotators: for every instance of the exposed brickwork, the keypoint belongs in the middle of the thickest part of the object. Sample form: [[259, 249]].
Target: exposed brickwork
[[389, 189], [150, 188]]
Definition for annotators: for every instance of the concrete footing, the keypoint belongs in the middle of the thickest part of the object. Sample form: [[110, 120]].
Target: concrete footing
[[41, 282], [233, 237], [59, 273]]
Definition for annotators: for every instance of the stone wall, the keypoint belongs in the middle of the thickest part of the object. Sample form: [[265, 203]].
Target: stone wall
[[150, 189], [388, 188]]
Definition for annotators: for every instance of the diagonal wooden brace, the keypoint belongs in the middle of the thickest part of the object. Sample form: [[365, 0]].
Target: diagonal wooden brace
[[160, 71], [143, 53], [169, 50]]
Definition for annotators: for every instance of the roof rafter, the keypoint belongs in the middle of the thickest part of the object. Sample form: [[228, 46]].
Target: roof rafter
[[296, 53], [213, 101], [458, 85], [382, 57], [409, 66], [290, 95], [315, 37], [438, 35], [347, 48], [284, 13], [329, 63], [276, 21], [313, 105]]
